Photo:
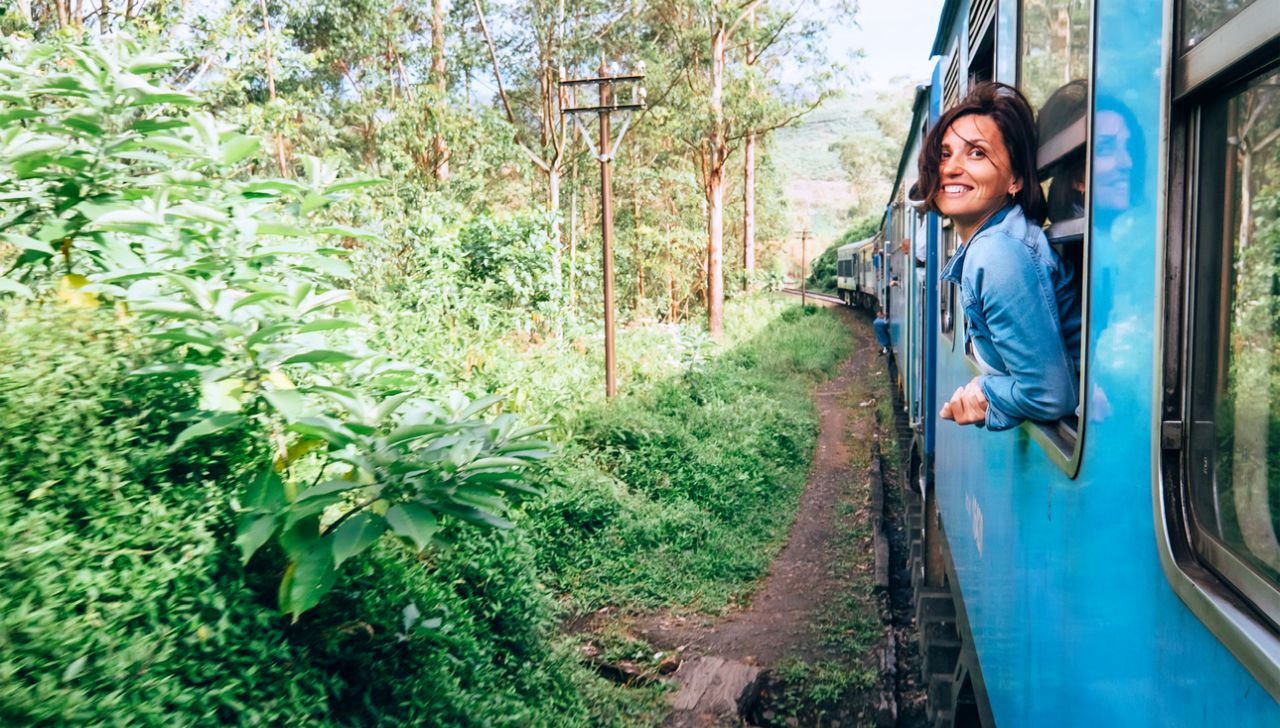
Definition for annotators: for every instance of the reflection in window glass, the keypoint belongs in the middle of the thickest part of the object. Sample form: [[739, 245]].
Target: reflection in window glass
[[1240, 505], [947, 291], [1064, 185], [1202, 17], [1055, 51]]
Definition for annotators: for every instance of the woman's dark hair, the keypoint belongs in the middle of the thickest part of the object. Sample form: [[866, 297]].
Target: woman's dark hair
[[1008, 108]]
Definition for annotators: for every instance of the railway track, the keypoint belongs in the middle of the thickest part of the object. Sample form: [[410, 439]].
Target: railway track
[[815, 296]]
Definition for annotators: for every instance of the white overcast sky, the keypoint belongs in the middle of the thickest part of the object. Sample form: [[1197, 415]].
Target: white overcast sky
[[895, 36]]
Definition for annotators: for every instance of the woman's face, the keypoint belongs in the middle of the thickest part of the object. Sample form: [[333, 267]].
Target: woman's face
[[977, 177], [1112, 164]]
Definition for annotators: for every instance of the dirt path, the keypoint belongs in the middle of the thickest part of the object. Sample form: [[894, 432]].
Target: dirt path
[[817, 582]]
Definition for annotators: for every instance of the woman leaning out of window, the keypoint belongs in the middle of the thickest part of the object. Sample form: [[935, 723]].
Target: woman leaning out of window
[[1021, 303]]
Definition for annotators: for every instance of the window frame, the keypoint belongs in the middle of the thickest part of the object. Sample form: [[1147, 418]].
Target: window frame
[[1204, 574], [1063, 441]]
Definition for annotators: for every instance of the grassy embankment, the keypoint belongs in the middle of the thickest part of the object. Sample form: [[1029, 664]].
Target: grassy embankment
[[124, 600]]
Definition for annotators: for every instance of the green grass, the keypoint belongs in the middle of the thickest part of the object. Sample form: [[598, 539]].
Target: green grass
[[680, 495], [124, 600]]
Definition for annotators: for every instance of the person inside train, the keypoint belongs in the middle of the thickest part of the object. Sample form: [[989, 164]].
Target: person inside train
[[1022, 306], [881, 325]]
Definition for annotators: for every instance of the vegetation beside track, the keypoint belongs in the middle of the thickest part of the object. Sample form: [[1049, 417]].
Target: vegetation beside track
[[219, 400], [124, 599]]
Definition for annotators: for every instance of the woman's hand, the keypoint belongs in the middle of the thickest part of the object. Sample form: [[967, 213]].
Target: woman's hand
[[968, 405]]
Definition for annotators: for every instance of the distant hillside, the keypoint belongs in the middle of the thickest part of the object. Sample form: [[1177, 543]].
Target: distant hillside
[[819, 193]]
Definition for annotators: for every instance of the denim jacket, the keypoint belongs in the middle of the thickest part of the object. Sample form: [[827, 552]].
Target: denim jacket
[[1022, 317]]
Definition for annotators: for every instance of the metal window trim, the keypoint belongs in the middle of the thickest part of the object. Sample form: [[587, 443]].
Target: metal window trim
[[1208, 598], [1062, 144], [1066, 231], [1254, 588], [1247, 32], [1059, 444], [985, 10]]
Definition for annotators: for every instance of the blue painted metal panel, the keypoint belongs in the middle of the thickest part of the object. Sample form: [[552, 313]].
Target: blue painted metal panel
[[932, 268], [1073, 620]]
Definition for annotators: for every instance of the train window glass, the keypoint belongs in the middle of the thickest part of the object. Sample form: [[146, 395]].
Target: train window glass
[[947, 290], [1233, 478], [1055, 46], [982, 42], [1199, 19]]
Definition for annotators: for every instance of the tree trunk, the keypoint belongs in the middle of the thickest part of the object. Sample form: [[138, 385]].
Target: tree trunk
[[271, 88], [440, 147], [749, 211], [749, 181], [553, 206], [716, 151]]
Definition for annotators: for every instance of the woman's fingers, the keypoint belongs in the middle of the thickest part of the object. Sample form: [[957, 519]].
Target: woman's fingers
[[950, 410], [967, 406]]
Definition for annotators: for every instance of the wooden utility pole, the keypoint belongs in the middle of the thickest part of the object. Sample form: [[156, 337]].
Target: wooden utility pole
[[604, 149], [804, 265]]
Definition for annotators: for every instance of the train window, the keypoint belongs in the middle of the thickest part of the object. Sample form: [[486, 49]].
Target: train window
[[1055, 46], [982, 41], [1202, 18], [1233, 478], [947, 290], [1054, 68]]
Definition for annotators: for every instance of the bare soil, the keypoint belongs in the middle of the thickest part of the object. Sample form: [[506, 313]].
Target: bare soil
[[818, 598], [779, 620]]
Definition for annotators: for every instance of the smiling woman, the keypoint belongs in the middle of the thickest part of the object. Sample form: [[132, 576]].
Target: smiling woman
[[1022, 308]]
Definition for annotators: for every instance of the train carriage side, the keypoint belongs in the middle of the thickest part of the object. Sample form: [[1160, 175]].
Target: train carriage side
[[909, 316], [857, 284], [1102, 576], [845, 273], [892, 296]]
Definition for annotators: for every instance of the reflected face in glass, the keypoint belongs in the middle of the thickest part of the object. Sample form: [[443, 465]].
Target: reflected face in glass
[[976, 175], [1112, 163]]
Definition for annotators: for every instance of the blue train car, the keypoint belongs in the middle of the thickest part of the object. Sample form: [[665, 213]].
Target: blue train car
[[1121, 566]]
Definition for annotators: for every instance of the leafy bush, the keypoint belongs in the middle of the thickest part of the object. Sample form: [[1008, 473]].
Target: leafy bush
[[139, 192], [123, 603], [513, 257]]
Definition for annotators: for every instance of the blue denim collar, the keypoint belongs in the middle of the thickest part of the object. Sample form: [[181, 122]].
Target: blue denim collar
[[955, 267]]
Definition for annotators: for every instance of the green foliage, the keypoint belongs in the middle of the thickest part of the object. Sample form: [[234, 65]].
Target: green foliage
[[514, 257], [679, 496], [813, 692], [123, 603], [228, 273], [823, 277]]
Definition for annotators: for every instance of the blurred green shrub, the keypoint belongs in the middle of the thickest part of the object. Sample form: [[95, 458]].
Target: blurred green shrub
[[122, 601]]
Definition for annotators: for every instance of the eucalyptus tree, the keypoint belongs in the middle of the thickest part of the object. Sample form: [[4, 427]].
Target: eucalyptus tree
[[534, 46], [726, 98]]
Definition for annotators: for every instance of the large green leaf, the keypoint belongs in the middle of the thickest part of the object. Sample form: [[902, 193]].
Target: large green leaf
[[413, 521], [475, 516], [252, 532], [320, 356], [265, 492], [356, 534], [307, 580], [11, 286], [238, 147], [27, 243], [207, 426]]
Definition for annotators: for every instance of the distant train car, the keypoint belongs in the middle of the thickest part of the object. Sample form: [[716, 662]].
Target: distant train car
[[1120, 567], [858, 273]]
